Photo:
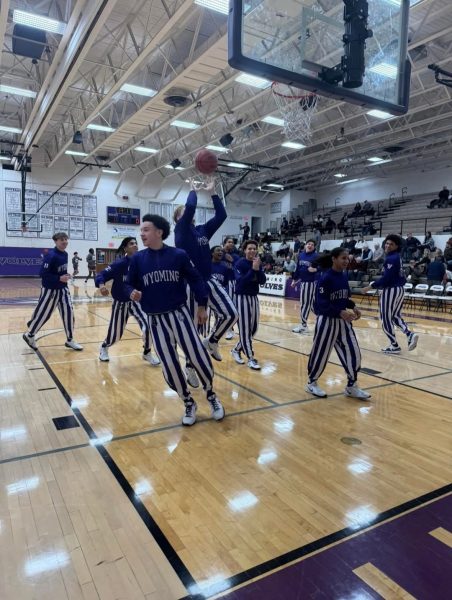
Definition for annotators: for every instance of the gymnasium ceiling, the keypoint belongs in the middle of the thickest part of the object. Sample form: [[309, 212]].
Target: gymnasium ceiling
[[169, 45]]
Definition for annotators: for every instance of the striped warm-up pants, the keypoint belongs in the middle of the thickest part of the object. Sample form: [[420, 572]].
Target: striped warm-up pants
[[48, 301], [338, 334], [221, 304], [390, 304], [120, 312], [176, 328], [307, 295], [248, 309]]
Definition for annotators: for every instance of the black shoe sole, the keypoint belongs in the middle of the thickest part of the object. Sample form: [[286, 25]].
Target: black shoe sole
[[27, 341]]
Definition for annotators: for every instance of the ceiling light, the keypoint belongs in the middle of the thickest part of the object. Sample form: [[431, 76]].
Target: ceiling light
[[374, 159], [275, 185], [221, 6], [340, 175], [146, 149], [273, 121], [110, 172], [75, 153], [3, 157], [101, 127], [380, 162], [174, 168], [380, 114], [138, 89], [385, 69], [349, 181], [237, 165], [226, 139], [10, 129], [38, 22], [8, 89], [253, 81], [184, 124], [216, 148], [294, 145]]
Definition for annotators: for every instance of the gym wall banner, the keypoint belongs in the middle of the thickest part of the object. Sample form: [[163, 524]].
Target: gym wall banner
[[274, 286], [21, 262]]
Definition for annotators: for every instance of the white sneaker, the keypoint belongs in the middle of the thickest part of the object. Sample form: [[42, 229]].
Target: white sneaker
[[300, 329], [151, 359], [103, 354], [237, 357], [189, 417], [314, 389], [392, 350], [30, 340], [192, 377], [229, 335], [412, 341], [253, 364], [356, 392], [216, 408], [212, 349], [73, 345]]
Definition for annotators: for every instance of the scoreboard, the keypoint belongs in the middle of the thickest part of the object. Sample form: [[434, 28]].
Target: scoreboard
[[120, 215]]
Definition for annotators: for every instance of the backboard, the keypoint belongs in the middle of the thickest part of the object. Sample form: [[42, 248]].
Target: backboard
[[300, 43]]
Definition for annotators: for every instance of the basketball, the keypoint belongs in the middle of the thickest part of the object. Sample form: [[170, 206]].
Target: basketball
[[206, 162]]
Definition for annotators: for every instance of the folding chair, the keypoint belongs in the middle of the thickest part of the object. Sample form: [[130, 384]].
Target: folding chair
[[436, 294], [419, 293], [408, 296]]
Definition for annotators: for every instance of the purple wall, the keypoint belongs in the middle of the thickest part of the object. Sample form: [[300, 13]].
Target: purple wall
[[21, 262]]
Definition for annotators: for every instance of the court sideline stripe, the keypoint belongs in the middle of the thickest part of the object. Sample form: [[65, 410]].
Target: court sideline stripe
[[171, 555]]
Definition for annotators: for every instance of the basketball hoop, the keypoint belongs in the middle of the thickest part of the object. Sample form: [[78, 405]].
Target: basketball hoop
[[297, 110]]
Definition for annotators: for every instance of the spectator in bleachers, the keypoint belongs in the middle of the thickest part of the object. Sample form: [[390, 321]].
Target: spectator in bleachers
[[367, 254], [411, 247], [368, 209], [356, 269], [329, 225], [436, 271], [368, 227], [297, 244], [341, 224], [429, 243], [442, 200], [413, 273], [349, 244], [283, 249], [357, 210], [284, 225], [378, 256], [424, 260], [318, 239], [448, 253], [299, 223], [290, 265]]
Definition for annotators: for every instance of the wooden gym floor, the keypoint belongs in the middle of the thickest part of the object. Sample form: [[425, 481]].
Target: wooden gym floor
[[289, 497]]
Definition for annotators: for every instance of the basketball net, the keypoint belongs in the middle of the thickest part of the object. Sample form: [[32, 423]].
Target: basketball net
[[296, 109]]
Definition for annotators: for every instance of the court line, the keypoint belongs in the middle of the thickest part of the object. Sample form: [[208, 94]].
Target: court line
[[418, 362], [171, 555], [4, 461]]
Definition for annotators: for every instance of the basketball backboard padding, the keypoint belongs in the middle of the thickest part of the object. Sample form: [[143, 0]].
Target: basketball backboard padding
[[291, 41]]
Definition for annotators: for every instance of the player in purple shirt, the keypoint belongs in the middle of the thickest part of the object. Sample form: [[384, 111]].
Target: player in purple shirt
[[392, 284], [157, 279], [54, 293]]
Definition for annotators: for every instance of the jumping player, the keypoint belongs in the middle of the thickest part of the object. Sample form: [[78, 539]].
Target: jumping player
[[308, 275], [333, 328], [122, 305], [54, 293], [157, 278], [391, 299], [249, 275], [195, 241]]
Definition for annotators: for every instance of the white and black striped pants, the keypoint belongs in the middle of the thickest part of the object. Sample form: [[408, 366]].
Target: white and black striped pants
[[221, 304], [176, 328], [248, 310], [338, 334], [307, 295], [120, 312], [48, 301], [390, 304]]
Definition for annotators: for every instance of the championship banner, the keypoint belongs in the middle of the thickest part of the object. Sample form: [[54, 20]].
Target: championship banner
[[274, 286], [21, 262]]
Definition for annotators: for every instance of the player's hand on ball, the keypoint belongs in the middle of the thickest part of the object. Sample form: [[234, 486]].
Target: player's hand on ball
[[104, 291], [202, 315], [65, 278], [135, 296], [357, 312], [209, 185]]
